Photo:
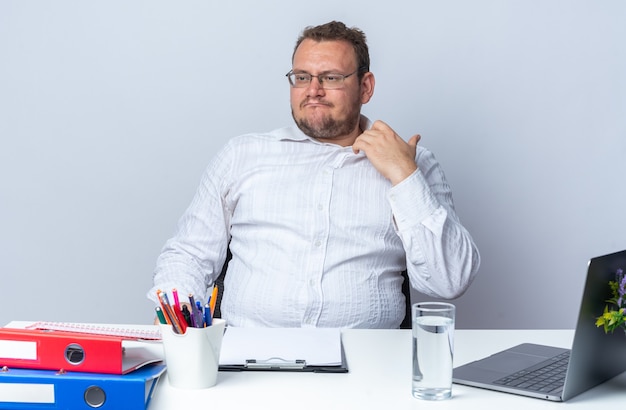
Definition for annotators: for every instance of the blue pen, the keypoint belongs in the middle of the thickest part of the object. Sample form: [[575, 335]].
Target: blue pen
[[208, 320], [200, 316]]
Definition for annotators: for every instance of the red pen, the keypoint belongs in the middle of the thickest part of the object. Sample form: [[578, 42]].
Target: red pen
[[170, 313], [181, 319]]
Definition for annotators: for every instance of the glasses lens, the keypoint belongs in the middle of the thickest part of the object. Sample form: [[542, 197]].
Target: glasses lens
[[327, 81], [331, 81], [299, 80]]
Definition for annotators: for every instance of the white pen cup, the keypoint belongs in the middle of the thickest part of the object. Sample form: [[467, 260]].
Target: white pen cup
[[433, 349], [192, 358]]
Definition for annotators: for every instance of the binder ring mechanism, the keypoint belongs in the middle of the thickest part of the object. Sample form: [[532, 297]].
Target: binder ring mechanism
[[275, 363], [74, 354]]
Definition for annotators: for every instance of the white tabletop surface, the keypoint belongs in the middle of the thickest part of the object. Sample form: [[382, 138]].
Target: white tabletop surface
[[380, 378]]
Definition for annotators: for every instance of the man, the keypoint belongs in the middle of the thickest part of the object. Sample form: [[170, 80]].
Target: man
[[321, 219]]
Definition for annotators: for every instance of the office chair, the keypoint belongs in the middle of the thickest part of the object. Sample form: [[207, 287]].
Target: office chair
[[220, 286], [406, 290]]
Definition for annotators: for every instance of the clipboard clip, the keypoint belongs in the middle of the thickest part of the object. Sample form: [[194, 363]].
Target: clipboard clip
[[276, 363]]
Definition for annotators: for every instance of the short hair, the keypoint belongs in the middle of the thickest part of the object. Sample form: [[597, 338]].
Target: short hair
[[337, 31]]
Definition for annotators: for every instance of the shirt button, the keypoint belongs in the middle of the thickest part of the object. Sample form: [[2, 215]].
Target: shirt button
[[320, 207], [318, 244]]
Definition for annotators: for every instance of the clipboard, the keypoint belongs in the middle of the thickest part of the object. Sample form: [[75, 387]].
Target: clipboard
[[283, 349]]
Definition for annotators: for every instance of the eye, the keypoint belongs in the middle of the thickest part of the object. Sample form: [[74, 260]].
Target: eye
[[332, 78], [302, 78]]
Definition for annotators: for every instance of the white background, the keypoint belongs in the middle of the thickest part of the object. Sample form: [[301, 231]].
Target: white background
[[110, 110]]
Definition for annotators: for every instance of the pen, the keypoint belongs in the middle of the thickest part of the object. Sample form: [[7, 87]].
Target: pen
[[164, 311], [200, 315], [169, 312], [213, 299], [208, 320], [182, 323], [193, 314]]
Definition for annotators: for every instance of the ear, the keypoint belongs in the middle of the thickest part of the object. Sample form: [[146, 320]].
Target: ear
[[367, 87]]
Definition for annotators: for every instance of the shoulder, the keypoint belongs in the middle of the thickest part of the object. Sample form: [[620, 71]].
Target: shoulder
[[260, 139], [246, 150]]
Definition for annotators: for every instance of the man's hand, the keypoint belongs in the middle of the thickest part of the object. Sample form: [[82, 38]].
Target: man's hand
[[391, 155]]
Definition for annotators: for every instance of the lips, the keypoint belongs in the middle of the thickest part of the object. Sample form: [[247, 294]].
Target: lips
[[314, 103]]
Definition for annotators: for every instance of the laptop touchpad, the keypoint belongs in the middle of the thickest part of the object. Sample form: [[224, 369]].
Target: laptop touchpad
[[508, 362]]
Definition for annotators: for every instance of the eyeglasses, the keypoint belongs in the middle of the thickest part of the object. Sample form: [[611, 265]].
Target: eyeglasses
[[329, 81]]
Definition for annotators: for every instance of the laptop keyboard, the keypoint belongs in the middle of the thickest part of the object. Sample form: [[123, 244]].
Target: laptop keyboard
[[544, 377]]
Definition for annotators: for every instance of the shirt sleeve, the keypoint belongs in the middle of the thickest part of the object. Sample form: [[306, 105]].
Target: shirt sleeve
[[441, 256], [192, 259]]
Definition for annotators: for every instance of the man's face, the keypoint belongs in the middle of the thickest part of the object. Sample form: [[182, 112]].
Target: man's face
[[327, 115]]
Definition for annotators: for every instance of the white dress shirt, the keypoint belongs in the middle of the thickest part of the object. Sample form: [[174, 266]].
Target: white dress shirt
[[318, 236]]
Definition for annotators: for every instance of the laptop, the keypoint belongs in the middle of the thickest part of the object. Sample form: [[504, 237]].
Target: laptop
[[553, 373]]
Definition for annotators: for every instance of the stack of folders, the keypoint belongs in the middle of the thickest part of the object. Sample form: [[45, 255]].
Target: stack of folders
[[44, 368]]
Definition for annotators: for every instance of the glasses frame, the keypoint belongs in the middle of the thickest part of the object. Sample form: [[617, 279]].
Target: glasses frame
[[320, 80]]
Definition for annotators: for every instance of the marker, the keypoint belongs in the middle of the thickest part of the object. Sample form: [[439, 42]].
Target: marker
[[159, 314], [176, 301], [187, 315]]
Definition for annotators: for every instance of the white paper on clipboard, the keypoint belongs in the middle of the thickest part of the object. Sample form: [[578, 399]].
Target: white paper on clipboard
[[314, 346]]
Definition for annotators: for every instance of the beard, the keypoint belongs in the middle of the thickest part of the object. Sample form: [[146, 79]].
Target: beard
[[328, 128]]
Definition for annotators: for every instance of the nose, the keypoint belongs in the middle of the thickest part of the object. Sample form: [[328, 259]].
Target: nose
[[315, 87]]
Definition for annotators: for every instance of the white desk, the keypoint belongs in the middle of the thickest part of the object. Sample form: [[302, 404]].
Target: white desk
[[380, 378]]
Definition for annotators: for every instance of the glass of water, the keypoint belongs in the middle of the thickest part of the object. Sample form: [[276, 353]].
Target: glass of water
[[433, 348]]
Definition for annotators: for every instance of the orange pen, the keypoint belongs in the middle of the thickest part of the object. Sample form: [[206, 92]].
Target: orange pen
[[213, 299]]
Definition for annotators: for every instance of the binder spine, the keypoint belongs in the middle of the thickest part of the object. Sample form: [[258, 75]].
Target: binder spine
[[53, 350], [47, 389]]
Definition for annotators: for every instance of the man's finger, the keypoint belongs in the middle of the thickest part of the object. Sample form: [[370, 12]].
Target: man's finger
[[379, 125], [414, 140]]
